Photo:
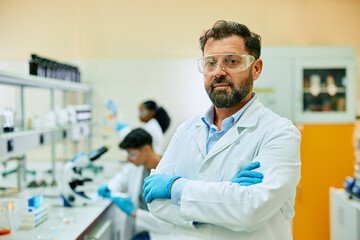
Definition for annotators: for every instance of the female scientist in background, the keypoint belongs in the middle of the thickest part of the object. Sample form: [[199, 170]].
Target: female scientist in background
[[156, 121]]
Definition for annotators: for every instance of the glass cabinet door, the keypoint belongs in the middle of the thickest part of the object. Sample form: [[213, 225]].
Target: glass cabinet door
[[325, 91]]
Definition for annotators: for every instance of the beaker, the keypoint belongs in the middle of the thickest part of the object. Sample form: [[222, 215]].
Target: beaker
[[4, 221]]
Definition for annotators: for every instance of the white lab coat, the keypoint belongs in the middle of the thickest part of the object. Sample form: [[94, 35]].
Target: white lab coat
[[130, 181], [227, 210], [153, 127]]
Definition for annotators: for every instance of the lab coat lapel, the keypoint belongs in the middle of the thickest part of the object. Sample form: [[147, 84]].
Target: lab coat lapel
[[201, 137], [248, 119], [224, 141]]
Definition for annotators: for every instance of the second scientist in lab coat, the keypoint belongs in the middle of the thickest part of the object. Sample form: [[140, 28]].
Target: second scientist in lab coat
[[156, 121], [155, 118], [193, 186], [141, 158]]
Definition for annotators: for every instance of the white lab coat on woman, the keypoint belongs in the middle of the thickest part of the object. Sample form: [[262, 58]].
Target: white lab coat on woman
[[130, 181], [227, 210], [154, 129]]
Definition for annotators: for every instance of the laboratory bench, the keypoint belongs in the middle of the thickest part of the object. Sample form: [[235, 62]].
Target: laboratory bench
[[86, 222], [93, 221]]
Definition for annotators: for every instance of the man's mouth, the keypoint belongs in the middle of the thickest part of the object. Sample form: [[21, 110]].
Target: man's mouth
[[221, 85]]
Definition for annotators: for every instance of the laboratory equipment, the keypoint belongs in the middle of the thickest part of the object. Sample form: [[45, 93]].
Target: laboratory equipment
[[4, 221], [36, 213], [21, 170], [115, 117], [352, 184], [352, 187], [8, 120], [45, 67], [79, 113], [72, 177]]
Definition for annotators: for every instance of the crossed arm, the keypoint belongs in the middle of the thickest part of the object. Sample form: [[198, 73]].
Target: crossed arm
[[230, 204]]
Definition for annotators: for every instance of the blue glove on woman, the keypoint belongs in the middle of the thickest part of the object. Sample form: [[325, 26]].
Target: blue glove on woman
[[247, 177]]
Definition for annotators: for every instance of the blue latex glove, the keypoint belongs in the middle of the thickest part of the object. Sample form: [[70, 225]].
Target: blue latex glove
[[125, 204], [247, 177], [104, 191], [119, 126], [158, 186]]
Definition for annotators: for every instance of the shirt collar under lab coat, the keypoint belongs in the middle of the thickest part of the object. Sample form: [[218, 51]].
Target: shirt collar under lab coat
[[208, 117], [248, 119]]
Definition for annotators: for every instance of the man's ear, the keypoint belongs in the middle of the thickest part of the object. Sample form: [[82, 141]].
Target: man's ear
[[257, 68], [146, 147]]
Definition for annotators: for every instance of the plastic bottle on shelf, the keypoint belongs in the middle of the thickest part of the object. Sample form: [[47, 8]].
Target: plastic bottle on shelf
[[36, 122], [8, 120], [78, 75], [48, 68], [41, 70]]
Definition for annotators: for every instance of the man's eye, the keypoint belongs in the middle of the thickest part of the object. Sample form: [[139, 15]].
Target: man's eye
[[210, 63], [233, 61]]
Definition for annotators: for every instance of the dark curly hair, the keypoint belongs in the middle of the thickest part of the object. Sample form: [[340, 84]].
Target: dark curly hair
[[223, 29]]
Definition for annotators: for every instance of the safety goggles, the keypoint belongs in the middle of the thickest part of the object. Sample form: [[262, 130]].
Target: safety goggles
[[132, 155], [230, 63], [144, 112]]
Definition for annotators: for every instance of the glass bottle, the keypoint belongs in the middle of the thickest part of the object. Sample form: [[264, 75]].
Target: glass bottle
[[4, 221]]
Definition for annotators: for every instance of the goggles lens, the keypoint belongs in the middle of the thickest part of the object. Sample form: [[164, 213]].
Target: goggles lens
[[230, 63], [132, 155], [143, 113]]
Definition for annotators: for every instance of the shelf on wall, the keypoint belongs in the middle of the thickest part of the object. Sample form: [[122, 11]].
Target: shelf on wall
[[40, 82], [15, 143]]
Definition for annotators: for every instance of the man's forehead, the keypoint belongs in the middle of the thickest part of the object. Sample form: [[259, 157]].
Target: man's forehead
[[233, 44]]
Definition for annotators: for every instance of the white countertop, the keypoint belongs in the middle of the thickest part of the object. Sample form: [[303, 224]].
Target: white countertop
[[67, 223], [344, 196], [64, 222]]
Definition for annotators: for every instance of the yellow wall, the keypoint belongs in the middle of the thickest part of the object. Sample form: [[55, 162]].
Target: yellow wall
[[93, 29], [71, 29], [327, 157], [47, 27]]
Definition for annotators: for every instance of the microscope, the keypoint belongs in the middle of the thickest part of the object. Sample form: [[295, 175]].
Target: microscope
[[72, 177]]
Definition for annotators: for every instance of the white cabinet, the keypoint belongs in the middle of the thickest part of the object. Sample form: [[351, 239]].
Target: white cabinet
[[344, 216], [101, 231], [309, 84]]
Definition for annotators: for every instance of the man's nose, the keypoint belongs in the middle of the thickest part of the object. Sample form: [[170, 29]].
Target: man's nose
[[219, 70]]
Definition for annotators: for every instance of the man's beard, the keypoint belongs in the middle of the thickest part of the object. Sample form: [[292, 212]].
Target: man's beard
[[222, 99]]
